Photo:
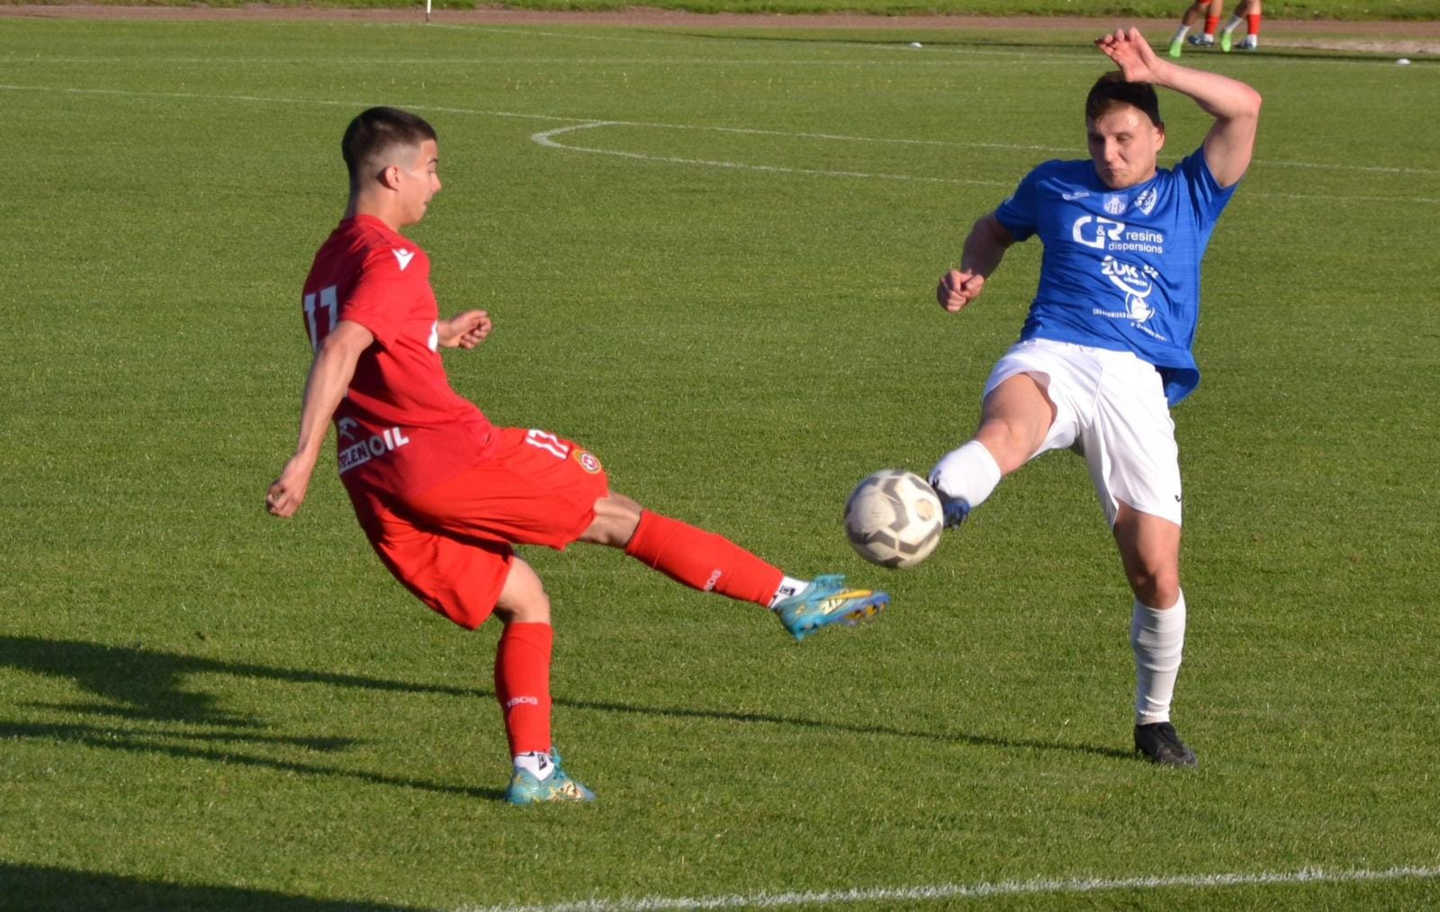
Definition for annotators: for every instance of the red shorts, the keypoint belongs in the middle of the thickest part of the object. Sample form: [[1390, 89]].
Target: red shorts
[[451, 545]]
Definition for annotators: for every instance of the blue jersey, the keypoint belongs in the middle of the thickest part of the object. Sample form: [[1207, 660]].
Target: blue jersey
[[1121, 268]]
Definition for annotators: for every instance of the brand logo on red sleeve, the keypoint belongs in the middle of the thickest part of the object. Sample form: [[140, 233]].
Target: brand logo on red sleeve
[[587, 461]]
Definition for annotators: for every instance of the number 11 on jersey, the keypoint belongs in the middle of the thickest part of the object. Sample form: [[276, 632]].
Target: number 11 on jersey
[[329, 302]]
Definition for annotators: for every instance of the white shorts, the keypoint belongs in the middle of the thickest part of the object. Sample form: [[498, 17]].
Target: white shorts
[[1109, 405]]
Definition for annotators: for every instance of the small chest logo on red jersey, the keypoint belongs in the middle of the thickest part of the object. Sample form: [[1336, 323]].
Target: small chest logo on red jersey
[[403, 257], [360, 453]]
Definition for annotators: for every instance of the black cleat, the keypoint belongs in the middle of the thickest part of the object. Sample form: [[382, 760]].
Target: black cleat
[[1159, 743]]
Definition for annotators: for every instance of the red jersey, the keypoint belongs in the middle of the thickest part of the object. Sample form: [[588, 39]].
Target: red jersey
[[401, 428]]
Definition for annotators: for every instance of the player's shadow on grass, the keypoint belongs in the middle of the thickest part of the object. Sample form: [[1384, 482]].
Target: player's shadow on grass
[[147, 686], [880, 730], [26, 888]]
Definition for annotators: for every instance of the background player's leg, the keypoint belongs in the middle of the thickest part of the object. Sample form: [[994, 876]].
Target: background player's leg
[[1187, 21], [1246, 11], [1212, 19], [1252, 25]]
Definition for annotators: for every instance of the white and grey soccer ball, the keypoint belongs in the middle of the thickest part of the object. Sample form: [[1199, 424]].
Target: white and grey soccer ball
[[894, 519]]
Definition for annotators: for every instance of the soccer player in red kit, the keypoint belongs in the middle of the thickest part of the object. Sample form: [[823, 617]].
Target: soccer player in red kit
[[443, 494]]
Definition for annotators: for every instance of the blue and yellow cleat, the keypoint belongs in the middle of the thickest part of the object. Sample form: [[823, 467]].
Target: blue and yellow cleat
[[826, 601], [558, 787]]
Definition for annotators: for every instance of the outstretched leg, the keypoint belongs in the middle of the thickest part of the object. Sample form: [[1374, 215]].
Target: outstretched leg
[[1015, 419], [712, 563]]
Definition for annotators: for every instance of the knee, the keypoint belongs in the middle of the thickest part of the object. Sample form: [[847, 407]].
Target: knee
[[531, 608], [616, 518], [1010, 443], [1158, 588], [523, 599]]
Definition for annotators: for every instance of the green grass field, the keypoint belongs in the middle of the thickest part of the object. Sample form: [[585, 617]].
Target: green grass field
[[1164, 9], [710, 257]]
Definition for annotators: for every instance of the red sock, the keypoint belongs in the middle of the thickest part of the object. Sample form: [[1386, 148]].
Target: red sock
[[702, 560], [522, 685], [1210, 23], [1252, 23]]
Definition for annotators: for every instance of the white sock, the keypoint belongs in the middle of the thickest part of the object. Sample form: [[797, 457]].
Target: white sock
[[789, 586], [1158, 638], [536, 763], [1181, 32], [1233, 24], [969, 474]]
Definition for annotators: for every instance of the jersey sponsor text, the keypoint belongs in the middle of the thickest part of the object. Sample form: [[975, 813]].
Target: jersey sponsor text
[[360, 453]]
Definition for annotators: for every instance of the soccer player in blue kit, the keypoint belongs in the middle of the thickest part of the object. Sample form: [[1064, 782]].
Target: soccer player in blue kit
[[1105, 350]]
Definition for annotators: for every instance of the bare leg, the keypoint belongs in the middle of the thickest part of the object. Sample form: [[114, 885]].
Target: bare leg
[[1150, 552], [1015, 418]]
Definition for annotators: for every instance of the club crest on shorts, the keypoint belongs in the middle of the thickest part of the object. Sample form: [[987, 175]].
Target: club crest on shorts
[[587, 461]]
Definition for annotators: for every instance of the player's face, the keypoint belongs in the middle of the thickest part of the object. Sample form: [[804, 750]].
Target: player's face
[[419, 180], [1124, 145]]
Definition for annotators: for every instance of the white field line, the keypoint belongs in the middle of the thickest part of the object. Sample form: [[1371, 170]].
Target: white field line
[[1375, 169], [966, 891], [1039, 56], [575, 122], [544, 139], [899, 43], [473, 61]]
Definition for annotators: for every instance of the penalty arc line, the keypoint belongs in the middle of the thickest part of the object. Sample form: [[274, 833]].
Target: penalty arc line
[[258, 99], [546, 138], [969, 891]]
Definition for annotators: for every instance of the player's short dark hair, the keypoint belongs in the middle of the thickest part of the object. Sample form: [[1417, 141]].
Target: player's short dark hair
[[1112, 89], [375, 131]]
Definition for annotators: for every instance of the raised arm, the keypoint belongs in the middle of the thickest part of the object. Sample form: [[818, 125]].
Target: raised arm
[[330, 375], [1235, 106], [985, 247]]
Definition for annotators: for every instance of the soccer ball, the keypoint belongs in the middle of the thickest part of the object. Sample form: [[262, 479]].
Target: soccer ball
[[894, 519]]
